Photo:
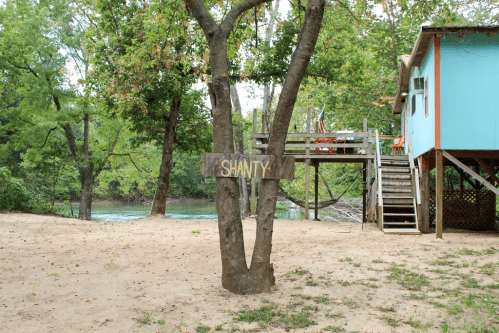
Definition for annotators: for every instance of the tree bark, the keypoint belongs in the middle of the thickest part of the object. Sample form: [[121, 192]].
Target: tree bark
[[236, 276], [238, 136], [260, 263], [87, 183], [159, 203]]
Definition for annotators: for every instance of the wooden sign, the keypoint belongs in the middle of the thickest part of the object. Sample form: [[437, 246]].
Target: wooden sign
[[250, 166]]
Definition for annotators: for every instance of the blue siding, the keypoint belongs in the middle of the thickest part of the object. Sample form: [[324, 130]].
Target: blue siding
[[470, 92], [423, 128]]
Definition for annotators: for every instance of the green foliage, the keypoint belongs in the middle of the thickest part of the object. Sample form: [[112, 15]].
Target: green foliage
[[13, 192], [186, 179]]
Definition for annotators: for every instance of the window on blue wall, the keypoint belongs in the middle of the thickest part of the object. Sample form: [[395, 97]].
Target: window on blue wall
[[426, 96], [413, 104]]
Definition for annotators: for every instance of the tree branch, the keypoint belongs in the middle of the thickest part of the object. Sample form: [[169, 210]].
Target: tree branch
[[46, 138], [131, 159], [346, 7], [27, 68], [228, 23], [111, 152], [202, 16]]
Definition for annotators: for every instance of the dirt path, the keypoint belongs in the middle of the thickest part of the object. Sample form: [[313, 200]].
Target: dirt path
[[163, 275]]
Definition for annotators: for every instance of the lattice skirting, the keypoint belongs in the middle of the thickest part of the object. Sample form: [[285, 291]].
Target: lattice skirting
[[468, 209]]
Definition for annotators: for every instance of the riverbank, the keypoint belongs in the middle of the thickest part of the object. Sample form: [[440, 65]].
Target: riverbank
[[162, 275]]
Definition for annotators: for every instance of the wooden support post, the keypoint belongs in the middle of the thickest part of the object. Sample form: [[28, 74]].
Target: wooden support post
[[364, 191], [316, 208], [307, 167], [439, 200], [425, 193], [369, 169], [253, 180]]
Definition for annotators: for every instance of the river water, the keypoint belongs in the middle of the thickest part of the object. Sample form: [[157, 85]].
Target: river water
[[187, 211]]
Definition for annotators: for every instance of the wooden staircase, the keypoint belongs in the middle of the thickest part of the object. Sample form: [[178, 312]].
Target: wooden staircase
[[398, 209]]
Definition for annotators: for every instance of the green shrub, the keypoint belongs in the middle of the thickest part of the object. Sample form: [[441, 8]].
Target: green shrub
[[13, 192]]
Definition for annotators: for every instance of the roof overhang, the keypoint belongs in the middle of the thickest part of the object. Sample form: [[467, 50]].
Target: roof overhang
[[424, 40]]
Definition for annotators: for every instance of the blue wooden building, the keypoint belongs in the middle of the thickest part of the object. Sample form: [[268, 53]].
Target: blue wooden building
[[448, 98]]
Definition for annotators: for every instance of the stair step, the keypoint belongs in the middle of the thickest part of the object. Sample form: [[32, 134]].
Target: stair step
[[397, 176], [397, 196], [399, 223], [397, 206], [396, 189], [394, 157], [395, 163], [398, 214], [396, 183], [395, 170], [401, 201], [402, 231]]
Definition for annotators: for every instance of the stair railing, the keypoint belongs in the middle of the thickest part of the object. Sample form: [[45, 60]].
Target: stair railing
[[377, 164], [415, 176]]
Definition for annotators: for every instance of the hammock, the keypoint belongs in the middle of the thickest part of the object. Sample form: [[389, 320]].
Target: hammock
[[320, 204]]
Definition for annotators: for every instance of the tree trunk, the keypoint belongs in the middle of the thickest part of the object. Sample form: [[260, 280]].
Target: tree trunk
[[236, 277], [159, 203], [87, 183], [238, 136], [260, 263]]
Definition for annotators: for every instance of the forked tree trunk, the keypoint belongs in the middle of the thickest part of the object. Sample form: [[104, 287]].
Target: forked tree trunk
[[238, 137], [159, 203], [236, 276]]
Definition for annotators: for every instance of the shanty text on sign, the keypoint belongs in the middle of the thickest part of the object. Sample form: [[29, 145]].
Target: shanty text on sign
[[243, 168], [250, 166]]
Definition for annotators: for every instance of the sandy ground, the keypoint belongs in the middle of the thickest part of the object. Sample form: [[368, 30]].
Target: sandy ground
[[161, 275]]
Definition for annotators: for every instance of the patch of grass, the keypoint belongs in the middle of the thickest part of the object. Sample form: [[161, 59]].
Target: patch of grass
[[367, 284], [377, 261], [299, 272], [311, 282], [437, 304], [218, 327], [144, 320], [356, 264], [273, 315], [196, 232], [454, 309], [439, 271], [343, 283], [470, 282], [334, 329], [418, 324], [324, 299], [311, 308], [373, 279], [492, 250], [299, 287], [346, 259], [161, 322], [469, 252], [111, 265], [350, 303], [334, 315], [389, 309], [441, 262], [54, 274], [390, 321], [299, 320], [202, 329], [488, 269], [407, 279], [263, 316], [417, 297]]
